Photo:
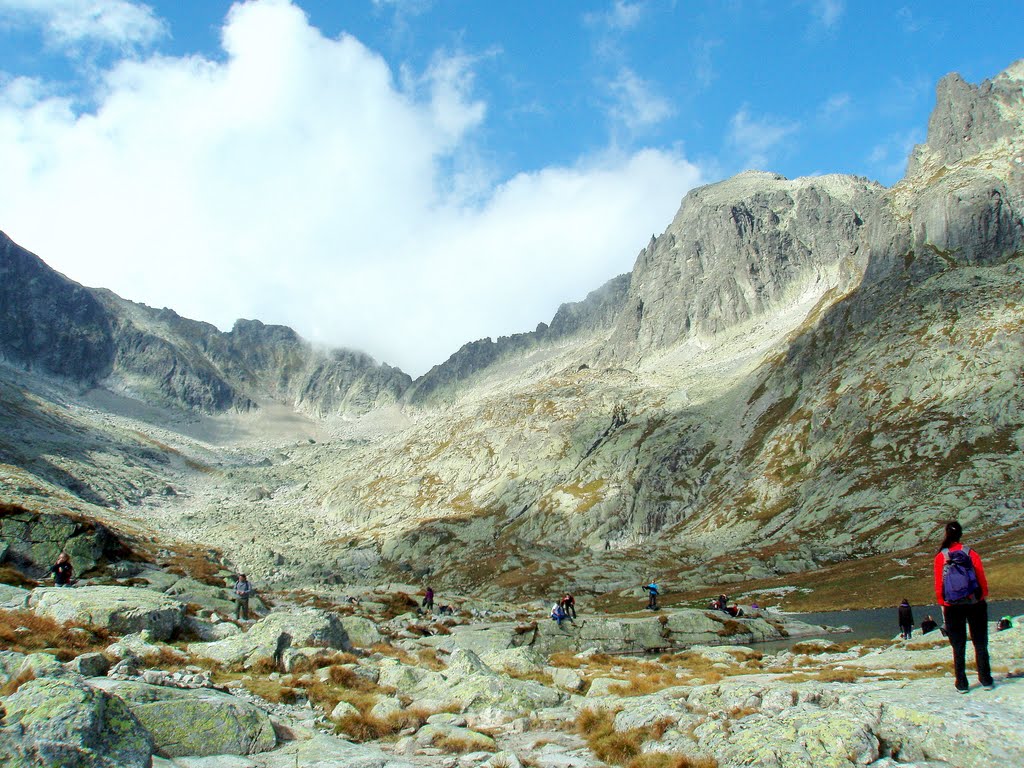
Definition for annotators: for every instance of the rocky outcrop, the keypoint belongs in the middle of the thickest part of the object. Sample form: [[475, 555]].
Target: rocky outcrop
[[122, 610], [32, 541], [196, 722], [270, 637], [49, 323], [71, 724]]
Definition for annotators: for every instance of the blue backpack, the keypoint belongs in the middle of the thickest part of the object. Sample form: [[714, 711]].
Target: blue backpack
[[959, 581]]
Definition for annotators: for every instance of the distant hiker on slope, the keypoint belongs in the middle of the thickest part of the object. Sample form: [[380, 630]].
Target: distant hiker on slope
[[242, 592], [961, 589], [928, 625], [558, 614], [428, 600], [652, 595], [905, 617]]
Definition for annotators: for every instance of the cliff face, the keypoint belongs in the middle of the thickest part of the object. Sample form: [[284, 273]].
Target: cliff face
[[742, 249], [47, 322]]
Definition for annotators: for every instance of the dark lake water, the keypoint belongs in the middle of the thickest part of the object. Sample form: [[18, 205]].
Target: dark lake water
[[880, 623]]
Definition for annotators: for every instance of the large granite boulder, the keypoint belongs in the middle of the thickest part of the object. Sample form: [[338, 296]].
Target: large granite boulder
[[279, 631], [194, 721], [122, 610], [58, 722], [33, 540], [361, 632]]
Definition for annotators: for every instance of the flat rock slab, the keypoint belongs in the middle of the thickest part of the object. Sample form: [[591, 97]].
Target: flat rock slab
[[122, 610], [196, 721]]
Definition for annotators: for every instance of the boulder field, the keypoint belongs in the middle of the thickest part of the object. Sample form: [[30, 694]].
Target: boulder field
[[347, 679]]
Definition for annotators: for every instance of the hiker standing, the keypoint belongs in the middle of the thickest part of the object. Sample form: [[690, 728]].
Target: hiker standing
[[961, 589], [428, 600], [242, 592], [652, 596], [569, 605], [905, 616], [62, 570]]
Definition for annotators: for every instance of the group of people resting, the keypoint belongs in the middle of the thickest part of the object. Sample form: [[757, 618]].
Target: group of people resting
[[564, 608], [721, 603]]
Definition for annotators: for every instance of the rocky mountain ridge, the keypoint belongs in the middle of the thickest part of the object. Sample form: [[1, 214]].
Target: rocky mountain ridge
[[796, 372]]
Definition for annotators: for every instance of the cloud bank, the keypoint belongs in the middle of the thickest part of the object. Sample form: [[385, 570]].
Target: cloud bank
[[296, 180]]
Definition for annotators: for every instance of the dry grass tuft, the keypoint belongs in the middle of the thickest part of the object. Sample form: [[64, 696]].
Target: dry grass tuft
[[362, 727], [15, 578], [671, 760], [25, 632], [458, 745], [16, 682], [272, 690]]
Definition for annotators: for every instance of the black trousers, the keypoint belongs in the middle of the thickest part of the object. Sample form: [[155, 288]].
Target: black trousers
[[958, 619]]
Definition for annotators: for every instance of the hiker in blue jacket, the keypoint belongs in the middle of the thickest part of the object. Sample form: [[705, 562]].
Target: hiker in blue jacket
[[652, 595]]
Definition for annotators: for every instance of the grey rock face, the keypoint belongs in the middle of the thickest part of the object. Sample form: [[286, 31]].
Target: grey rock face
[[33, 540], [968, 118], [49, 323], [741, 249]]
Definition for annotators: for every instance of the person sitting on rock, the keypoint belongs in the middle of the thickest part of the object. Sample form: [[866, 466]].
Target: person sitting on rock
[[242, 592], [558, 614], [928, 625], [62, 570]]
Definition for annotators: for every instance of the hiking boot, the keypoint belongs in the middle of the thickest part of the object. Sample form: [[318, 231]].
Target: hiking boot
[[962, 689], [989, 685]]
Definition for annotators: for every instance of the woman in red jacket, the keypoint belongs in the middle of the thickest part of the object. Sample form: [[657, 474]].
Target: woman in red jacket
[[962, 594]]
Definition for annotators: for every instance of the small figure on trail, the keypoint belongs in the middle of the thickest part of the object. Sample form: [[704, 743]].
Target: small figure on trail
[[905, 616], [1004, 623], [428, 600], [568, 603], [961, 589], [62, 570], [242, 592], [733, 610], [607, 545], [652, 595], [928, 625], [558, 614]]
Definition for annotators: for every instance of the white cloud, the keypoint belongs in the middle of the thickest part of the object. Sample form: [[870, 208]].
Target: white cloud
[[620, 17], [756, 139], [69, 22], [636, 105], [827, 12], [297, 182], [836, 109]]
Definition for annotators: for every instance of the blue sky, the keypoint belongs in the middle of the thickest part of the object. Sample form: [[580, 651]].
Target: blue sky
[[404, 176]]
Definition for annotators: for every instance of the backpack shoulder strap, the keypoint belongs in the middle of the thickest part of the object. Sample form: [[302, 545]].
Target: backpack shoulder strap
[[945, 554]]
